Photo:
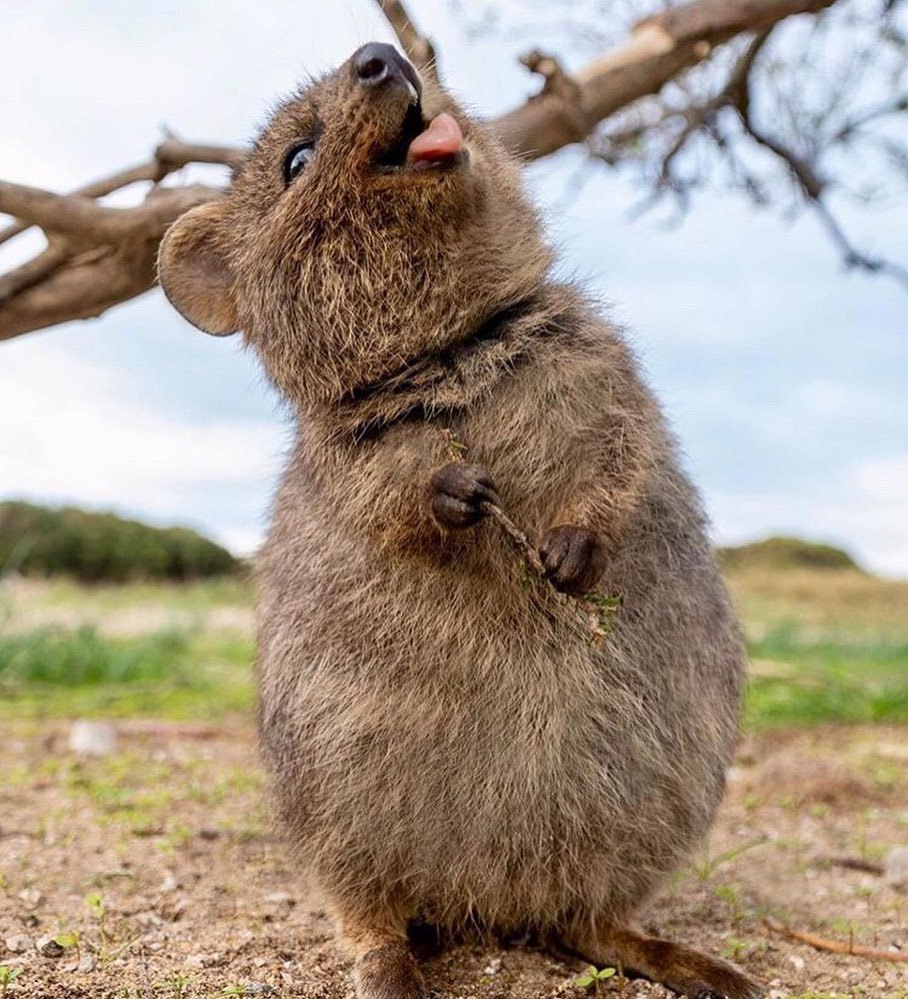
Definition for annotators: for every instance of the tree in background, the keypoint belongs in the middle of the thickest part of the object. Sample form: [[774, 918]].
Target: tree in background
[[789, 102]]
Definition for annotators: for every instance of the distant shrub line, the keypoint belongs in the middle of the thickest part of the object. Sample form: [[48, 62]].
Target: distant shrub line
[[786, 553], [102, 547]]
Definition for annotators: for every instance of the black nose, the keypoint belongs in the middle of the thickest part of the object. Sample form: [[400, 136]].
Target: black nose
[[376, 63]]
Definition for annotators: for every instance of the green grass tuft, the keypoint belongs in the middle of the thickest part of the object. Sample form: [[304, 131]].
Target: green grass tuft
[[802, 679], [183, 674], [84, 657]]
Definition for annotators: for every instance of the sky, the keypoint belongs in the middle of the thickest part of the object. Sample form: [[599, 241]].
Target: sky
[[783, 376]]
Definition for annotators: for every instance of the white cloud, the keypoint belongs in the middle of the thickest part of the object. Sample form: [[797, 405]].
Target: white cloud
[[72, 433], [885, 480], [865, 511]]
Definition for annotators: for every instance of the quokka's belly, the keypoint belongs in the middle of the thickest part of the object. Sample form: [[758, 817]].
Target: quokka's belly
[[467, 748], [508, 785]]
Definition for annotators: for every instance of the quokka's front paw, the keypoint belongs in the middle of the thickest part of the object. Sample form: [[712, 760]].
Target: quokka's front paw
[[458, 493], [573, 557]]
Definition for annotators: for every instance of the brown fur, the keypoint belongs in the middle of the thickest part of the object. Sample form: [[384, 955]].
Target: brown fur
[[444, 744]]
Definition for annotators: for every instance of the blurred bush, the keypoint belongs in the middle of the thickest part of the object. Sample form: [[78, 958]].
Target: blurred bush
[[73, 659], [786, 553], [102, 547]]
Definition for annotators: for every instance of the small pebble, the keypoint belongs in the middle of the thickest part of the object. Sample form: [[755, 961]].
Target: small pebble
[[92, 738], [797, 961], [169, 882], [18, 945], [49, 947], [896, 867], [31, 897], [493, 967]]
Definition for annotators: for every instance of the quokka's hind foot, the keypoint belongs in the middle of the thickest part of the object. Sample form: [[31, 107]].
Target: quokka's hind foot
[[384, 966], [388, 971], [681, 969]]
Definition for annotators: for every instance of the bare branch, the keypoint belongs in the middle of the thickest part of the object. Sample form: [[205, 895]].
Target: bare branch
[[835, 946], [557, 80], [98, 256], [98, 189], [31, 272], [854, 258], [171, 155], [659, 48], [90, 269], [82, 218], [695, 118], [73, 214], [85, 287], [814, 188], [682, 124]]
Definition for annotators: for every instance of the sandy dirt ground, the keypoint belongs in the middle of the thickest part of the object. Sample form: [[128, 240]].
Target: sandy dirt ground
[[153, 872]]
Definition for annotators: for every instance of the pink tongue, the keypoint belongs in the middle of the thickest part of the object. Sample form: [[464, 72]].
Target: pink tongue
[[440, 141]]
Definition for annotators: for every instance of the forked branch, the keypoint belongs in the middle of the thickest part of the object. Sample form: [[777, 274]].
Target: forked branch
[[98, 256]]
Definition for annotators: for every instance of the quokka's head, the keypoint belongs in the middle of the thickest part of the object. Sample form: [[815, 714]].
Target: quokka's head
[[373, 222]]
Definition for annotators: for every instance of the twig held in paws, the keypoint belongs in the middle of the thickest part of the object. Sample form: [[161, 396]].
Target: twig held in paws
[[597, 610]]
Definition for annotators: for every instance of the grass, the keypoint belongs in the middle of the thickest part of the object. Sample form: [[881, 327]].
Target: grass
[[826, 647], [62, 593], [798, 679], [180, 674], [54, 657]]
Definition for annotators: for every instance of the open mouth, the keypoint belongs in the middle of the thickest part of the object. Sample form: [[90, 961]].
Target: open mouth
[[436, 144]]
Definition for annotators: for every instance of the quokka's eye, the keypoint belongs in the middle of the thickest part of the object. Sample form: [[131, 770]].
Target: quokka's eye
[[296, 160]]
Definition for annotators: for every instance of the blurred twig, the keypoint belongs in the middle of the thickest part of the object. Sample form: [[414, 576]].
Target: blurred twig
[[835, 946]]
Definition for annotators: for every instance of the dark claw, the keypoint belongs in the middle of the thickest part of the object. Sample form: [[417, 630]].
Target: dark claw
[[573, 557], [459, 492]]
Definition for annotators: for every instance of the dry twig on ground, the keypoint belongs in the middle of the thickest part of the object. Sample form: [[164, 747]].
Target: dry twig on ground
[[835, 946]]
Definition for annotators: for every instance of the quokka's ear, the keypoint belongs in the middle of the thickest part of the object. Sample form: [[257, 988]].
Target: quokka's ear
[[194, 270]]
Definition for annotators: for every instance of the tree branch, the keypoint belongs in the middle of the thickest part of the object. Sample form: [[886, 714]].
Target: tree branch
[[98, 256], [31, 272], [88, 270], [814, 188], [171, 155], [72, 214], [659, 48], [835, 946]]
